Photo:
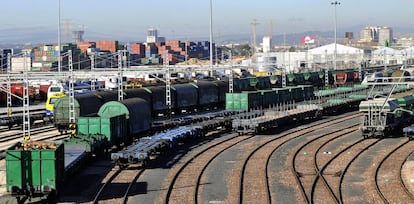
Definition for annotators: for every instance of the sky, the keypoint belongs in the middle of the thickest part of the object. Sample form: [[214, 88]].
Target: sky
[[28, 20]]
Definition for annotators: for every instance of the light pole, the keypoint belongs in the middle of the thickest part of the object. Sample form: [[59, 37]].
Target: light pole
[[58, 54], [211, 38], [335, 3]]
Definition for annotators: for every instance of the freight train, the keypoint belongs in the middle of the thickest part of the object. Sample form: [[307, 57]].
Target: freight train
[[189, 97], [383, 117], [116, 123]]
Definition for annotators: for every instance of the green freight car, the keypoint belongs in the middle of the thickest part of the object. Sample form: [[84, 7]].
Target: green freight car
[[243, 101], [96, 132], [35, 168]]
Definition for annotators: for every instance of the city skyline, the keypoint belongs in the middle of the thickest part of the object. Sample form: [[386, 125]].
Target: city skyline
[[128, 20]]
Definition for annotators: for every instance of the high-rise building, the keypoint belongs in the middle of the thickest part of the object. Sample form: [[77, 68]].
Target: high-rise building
[[385, 36], [267, 44], [381, 34], [368, 34], [152, 36], [77, 36]]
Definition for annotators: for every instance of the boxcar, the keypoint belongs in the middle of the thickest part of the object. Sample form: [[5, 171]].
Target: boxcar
[[186, 97], [138, 93], [208, 94], [308, 92], [158, 101], [269, 98], [295, 79], [223, 88], [242, 84], [85, 104], [136, 110]]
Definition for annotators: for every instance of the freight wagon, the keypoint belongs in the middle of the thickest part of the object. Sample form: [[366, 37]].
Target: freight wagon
[[85, 104], [266, 98], [384, 117], [34, 169]]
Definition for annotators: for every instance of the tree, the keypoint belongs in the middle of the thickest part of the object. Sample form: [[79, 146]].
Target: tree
[[243, 50]]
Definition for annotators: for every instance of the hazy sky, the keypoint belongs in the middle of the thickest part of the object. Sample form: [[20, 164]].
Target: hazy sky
[[129, 19]]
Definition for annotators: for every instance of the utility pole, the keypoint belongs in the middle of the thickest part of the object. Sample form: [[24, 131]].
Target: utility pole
[[93, 71], [335, 3], [72, 113], [211, 39], [26, 112], [186, 51], [167, 83], [254, 24], [58, 54], [9, 99], [231, 73], [120, 76]]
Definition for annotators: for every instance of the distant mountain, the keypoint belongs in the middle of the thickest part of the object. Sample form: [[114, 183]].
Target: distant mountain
[[43, 35]]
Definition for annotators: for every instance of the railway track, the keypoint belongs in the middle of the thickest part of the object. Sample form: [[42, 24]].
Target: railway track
[[186, 179], [402, 181], [181, 185], [34, 124], [258, 161], [387, 177], [117, 187], [334, 163], [300, 163], [363, 166]]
